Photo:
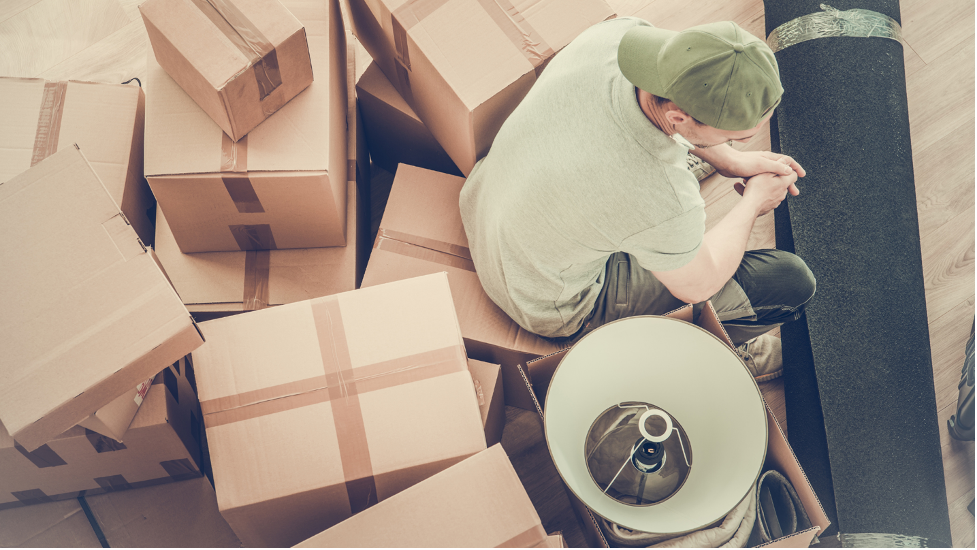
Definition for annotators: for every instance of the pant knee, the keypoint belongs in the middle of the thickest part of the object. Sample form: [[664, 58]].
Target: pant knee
[[803, 283]]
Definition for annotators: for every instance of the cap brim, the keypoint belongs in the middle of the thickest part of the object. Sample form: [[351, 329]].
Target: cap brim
[[637, 56]]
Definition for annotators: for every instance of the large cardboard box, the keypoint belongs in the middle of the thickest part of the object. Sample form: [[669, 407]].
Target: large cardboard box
[[88, 314], [779, 454], [491, 402], [60, 524], [282, 186], [477, 503], [174, 515], [162, 445], [394, 132], [409, 244], [113, 419], [240, 60], [464, 65], [105, 120], [319, 409]]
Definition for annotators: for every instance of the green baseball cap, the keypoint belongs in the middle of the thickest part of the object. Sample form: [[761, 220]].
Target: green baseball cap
[[718, 73]]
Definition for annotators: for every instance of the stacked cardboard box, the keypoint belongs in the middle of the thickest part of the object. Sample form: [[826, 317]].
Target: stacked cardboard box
[[162, 445], [410, 244], [319, 409], [464, 65], [105, 120], [477, 503]]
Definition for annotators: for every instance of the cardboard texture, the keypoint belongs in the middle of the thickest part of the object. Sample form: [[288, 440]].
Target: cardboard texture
[[464, 65], [319, 409], [105, 120], [283, 186], [60, 524], [394, 132], [491, 403], [477, 503], [175, 515], [162, 445], [240, 60], [779, 454], [409, 245], [88, 314], [113, 419]]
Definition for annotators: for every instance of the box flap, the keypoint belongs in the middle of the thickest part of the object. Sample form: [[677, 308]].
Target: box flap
[[89, 295], [375, 84], [477, 503], [182, 139]]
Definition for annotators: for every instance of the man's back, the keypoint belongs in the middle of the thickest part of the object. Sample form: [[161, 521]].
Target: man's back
[[575, 174]]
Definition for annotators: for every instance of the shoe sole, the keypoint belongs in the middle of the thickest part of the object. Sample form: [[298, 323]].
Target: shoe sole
[[769, 376]]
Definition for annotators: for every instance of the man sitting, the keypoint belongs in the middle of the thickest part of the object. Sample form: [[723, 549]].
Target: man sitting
[[584, 210]]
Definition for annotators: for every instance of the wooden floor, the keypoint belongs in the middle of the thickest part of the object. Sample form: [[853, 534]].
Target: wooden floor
[[105, 41]]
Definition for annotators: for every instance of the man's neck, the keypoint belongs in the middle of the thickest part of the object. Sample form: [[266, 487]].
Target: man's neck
[[653, 112]]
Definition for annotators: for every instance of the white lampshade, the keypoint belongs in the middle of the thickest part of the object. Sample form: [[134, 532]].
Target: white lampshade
[[688, 373]]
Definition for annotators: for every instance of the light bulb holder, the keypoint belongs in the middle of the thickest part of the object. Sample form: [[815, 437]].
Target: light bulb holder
[[648, 456]]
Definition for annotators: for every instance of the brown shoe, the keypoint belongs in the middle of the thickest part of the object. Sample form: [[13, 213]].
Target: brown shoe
[[763, 357]]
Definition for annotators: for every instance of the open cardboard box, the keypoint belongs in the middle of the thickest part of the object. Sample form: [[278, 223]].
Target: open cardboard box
[[779, 454]]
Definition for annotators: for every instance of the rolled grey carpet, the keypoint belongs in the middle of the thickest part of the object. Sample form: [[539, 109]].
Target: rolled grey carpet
[[861, 405]]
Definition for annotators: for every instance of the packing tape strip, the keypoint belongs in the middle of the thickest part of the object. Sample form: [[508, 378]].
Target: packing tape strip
[[369, 378], [49, 121], [431, 250], [832, 22], [257, 274], [506, 16], [249, 41], [253, 237], [530, 537], [234, 174]]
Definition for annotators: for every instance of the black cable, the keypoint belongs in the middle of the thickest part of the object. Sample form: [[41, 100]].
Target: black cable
[[91, 520]]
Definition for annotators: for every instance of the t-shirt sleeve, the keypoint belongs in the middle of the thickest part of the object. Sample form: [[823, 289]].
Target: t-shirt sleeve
[[670, 244]]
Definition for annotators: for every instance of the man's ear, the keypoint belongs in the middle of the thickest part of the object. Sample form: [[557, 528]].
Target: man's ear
[[676, 116]]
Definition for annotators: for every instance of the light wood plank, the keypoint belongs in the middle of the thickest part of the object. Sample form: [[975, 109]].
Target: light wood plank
[[50, 31], [941, 98], [939, 171], [116, 58], [948, 264], [948, 340], [936, 27], [958, 461], [10, 8]]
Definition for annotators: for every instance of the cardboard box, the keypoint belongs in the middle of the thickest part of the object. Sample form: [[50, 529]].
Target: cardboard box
[[88, 314], [394, 132], [113, 419], [60, 524], [464, 65], [553, 541], [477, 503], [283, 186], [162, 445], [409, 245], [779, 454], [174, 515], [240, 60], [491, 403], [105, 120], [317, 410]]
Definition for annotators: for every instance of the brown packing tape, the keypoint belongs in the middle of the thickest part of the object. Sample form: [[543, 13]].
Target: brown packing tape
[[49, 121], [253, 237], [42, 457], [257, 273], [423, 248], [249, 41], [234, 174], [526, 539], [354, 450], [234, 154], [383, 375]]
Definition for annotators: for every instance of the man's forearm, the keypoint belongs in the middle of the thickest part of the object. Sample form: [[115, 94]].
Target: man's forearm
[[718, 155], [728, 239]]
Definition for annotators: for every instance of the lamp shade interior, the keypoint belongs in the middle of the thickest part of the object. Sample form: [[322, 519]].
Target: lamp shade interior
[[684, 370]]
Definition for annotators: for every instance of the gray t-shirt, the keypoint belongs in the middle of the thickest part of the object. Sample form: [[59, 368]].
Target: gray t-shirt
[[576, 173]]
